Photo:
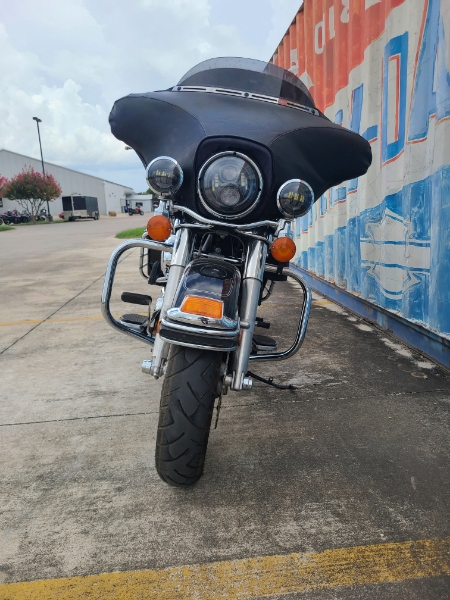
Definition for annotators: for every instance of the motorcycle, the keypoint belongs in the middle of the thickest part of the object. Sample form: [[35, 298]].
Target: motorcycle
[[25, 217], [236, 151], [10, 217], [42, 216], [135, 211], [5, 219]]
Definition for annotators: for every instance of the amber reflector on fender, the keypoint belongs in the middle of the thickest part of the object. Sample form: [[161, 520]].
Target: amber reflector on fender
[[206, 307], [283, 249], [159, 228]]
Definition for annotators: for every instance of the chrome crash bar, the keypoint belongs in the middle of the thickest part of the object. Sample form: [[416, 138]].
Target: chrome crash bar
[[109, 280], [181, 251], [166, 257], [302, 324]]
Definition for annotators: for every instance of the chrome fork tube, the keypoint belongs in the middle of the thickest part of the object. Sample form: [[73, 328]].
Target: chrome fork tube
[[251, 288], [182, 250]]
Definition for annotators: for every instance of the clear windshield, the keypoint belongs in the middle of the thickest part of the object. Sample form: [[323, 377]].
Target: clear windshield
[[248, 75]]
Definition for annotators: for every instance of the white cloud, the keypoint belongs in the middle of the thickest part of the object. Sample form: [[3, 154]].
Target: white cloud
[[182, 9], [283, 12], [67, 61]]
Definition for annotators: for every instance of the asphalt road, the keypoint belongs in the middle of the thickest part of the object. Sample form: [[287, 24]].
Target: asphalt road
[[338, 490]]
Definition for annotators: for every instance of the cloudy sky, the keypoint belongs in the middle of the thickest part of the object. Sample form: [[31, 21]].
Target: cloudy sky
[[66, 61]]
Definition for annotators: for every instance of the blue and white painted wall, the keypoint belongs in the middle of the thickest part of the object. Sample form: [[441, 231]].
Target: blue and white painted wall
[[385, 237]]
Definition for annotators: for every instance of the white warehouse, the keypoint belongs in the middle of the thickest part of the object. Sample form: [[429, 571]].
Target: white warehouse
[[111, 196]]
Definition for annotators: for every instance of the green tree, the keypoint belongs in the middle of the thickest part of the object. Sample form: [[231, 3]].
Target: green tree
[[31, 190]]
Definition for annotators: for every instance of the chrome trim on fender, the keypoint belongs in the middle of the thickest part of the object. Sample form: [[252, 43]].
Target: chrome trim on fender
[[214, 279], [206, 339], [200, 346], [218, 325], [303, 322], [199, 330]]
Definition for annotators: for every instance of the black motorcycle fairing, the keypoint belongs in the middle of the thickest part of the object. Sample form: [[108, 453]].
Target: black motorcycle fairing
[[325, 158], [260, 154], [153, 127], [304, 146]]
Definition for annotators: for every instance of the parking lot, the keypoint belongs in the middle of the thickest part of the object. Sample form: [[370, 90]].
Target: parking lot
[[338, 490]]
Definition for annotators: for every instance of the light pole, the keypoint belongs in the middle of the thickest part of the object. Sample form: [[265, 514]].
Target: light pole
[[42, 159], [126, 199]]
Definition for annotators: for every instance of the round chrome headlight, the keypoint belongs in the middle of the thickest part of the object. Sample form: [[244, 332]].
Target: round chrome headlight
[[229, 185], [295, 198], [164, 176]]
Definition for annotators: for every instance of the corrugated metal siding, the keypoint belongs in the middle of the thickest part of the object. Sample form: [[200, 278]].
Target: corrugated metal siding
[[71, 182], [382, 68]]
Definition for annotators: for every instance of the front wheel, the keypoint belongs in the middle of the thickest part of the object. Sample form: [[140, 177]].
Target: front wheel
[[187, 402]]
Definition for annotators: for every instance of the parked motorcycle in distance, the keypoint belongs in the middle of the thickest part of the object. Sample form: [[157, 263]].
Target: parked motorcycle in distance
[[10, 217], [135, 211], [235, 151], [5, 218], [42, 216], [25, 217]]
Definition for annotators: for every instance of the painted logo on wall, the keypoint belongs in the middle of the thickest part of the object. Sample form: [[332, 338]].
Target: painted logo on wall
[[382, 69]]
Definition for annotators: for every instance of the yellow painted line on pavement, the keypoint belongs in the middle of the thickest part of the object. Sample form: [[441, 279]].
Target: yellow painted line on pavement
[[27, 322], [65, 320], [251, 577]]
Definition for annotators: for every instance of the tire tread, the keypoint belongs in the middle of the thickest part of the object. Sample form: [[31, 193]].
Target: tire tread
[[186, 409]]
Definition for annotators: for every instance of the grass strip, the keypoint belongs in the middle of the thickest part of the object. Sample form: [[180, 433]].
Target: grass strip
[[131, 233], [5, 227]]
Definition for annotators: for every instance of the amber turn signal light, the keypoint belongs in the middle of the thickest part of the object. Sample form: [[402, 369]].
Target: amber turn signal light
[[283, 249], [159, 228], [205, 307]]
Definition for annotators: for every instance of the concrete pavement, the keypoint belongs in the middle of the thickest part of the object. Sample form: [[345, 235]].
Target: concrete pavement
[[356, 457]]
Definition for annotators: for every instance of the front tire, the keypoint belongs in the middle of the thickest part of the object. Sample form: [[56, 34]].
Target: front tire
[[187, 403]]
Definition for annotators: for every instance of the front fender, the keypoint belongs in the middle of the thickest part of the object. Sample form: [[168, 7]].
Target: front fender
[[206, 278]]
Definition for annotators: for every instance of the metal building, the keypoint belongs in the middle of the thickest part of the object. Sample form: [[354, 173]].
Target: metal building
[[380, 244], [111, 196]]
